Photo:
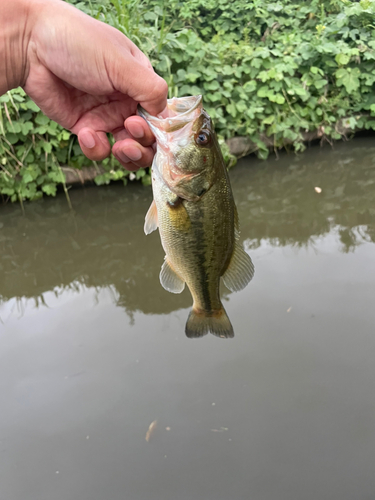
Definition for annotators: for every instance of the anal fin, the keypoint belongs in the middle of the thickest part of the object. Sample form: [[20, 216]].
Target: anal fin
[[151, 219], [240, 270], [170, 279]]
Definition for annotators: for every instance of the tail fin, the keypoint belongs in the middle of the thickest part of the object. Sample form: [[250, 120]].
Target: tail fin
[[199, 323]]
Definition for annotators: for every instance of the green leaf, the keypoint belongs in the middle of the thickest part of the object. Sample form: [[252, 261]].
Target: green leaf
[[26, 127], [269, 119], [320, 83], [47, 146], [31, 105], [41, 119], [348, 78], [231, 108], [27, 177], [342, 59], [140, 173], [49, 189], [263, 91]]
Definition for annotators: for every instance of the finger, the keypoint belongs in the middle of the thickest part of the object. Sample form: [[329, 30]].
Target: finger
[[94, 144], [138, 129], [142, 84], [133, 155], [155, 100]]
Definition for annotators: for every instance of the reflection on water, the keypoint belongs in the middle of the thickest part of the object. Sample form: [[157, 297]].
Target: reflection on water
[[92, 348], [103, 244], [278, 202]]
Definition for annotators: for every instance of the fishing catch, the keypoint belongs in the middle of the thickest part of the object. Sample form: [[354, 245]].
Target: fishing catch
[[194, 209]]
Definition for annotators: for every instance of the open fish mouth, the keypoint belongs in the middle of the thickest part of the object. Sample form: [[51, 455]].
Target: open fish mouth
[[174, 131], [177, 107], [179, 112]]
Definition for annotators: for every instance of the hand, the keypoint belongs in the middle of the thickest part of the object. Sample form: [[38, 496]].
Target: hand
[[89, 77]]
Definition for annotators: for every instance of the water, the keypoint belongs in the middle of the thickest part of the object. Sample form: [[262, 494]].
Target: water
[[92, 349]]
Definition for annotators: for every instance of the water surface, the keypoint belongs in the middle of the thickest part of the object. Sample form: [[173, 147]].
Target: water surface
[[92, 349]]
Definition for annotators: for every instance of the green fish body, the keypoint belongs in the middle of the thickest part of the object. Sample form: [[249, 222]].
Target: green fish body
[[196, 215]]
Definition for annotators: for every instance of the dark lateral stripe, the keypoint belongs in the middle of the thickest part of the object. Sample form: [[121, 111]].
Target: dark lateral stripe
[[203, 277]]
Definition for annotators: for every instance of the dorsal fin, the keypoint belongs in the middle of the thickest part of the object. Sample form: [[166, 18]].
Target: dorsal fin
[[240, 270], [151, 219]]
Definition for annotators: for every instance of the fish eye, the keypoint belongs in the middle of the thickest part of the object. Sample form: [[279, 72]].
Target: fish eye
[[202, 138]]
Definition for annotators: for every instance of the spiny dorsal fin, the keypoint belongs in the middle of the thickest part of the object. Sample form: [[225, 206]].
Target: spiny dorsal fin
[[169, 279], [151, 219], [240, 270]]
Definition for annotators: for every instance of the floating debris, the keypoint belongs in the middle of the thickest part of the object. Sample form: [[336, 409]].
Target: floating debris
[[167, 428], [150, 430], [318, 189], [288, 310]]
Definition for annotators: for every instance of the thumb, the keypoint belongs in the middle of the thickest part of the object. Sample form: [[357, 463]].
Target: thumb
[[144, 86]]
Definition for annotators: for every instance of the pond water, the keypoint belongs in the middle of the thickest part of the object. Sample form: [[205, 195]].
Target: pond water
[[93, 350]]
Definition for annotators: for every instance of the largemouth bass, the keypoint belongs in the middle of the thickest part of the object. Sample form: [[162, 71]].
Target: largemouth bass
[[196, 215]]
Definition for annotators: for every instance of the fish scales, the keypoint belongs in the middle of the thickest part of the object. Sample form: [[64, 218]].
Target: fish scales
[[199, 253]]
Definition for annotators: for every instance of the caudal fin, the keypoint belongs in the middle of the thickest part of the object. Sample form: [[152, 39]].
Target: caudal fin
[[200, 323]]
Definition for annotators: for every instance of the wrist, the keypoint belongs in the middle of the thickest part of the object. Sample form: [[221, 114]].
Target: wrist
[[15, 19]]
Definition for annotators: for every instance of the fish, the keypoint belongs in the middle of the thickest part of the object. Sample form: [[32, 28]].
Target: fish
[[194, 209]]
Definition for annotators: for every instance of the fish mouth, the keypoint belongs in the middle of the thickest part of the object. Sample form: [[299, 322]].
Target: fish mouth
[[179, 112]]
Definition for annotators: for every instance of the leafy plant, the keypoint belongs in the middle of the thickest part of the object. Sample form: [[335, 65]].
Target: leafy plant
[[276, 69]]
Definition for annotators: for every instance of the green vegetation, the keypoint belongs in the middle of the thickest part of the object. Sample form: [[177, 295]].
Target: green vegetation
[[266, 68]]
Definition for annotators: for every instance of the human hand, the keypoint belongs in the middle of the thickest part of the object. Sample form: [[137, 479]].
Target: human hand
[[89, 77]]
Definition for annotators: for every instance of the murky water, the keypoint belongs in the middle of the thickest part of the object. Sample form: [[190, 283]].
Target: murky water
[[92, 349]]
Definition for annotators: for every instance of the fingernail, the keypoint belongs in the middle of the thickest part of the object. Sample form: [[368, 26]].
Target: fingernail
[[133, 153], [122, 157], [137, 131], [87, 139]]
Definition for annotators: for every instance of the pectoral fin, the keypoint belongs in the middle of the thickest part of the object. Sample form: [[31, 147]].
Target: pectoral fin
[[170, 279], [240, 270], [151, 219]]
